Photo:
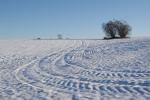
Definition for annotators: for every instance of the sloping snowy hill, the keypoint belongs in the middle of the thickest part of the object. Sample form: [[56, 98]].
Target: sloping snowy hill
[[75, 69]]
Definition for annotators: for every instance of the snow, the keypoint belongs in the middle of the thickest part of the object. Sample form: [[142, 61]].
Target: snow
[[75, 69]]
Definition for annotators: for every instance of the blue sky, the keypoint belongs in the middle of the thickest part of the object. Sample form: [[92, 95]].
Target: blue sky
[[71, 18]]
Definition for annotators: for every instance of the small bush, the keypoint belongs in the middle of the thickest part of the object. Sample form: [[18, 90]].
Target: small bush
[[59, 36]]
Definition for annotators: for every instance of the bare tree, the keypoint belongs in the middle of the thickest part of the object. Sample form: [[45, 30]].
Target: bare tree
[[123, 28], [116, 28], [109, 29]]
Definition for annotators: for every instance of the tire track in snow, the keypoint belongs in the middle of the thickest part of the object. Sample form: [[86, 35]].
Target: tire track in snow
[[18, 74], [57, 73]]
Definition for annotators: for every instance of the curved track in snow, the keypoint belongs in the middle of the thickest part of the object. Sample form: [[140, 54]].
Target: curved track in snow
[[94, 71]]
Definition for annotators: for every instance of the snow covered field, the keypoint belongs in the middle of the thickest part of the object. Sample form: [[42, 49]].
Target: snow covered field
[[75, 69]]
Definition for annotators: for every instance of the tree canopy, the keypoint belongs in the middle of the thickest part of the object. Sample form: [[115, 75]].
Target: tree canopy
[[116, 29]]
